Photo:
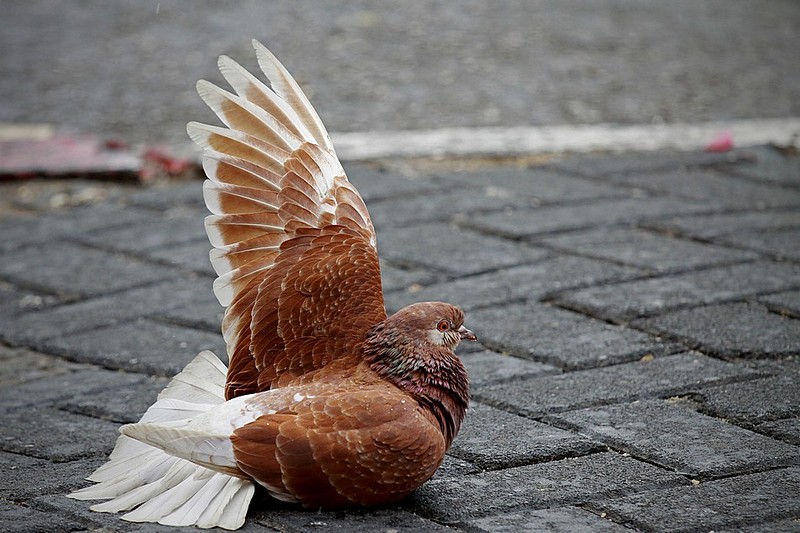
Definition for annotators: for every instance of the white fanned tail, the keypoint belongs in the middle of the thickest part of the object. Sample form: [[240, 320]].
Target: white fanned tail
[[153, 486]]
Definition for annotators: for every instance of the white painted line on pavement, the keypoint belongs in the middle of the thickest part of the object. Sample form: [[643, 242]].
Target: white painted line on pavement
[[25, 132], [514, 141]]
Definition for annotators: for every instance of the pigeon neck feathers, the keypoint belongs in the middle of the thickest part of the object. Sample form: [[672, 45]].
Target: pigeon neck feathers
[[402, 350]]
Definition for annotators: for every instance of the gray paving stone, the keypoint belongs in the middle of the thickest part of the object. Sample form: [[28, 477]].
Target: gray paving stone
[[787, 302], [769, 398], [21, 518], [493, 439], [544, 184], [191, 255], [718, 187], [532, 282], [523, 223], [562, 338], [299, 521], [568, 481], [735, 502], [108, 310], [449, 249], [629, 299], [14, 300], [679, 439], [607, 164], [779, 243], [466, 348], [200, 310], [558, 520], [124, 404], [61, 195], [158, 232], [26, 477], [141, 346], [653, 377], [788, 366], [74, 270], [638, 248], [64, 381], [410, 279], [789, 525], [771, 165], [376, 183], [718, 225], [486, 367], [20, 365], [22, 231], [787, 430], [453, 467], [730, 330], [439, 206], [169, 196], [56, 435]]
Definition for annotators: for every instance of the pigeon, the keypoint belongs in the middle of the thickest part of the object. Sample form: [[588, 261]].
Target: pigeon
[[326, 402]]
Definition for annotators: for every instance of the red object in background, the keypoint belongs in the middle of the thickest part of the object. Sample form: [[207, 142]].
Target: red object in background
[[721, 143], [171, 164], [64, 156], [73, 156]]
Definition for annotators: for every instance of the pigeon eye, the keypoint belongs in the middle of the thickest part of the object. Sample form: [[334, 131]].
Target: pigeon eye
[[443, 325]]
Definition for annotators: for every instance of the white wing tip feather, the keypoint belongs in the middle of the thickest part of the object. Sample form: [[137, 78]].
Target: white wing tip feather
[[198, 133], [210, 166], [223, 289], [214, 235], [258, 46], [219, 261], [211, 198]]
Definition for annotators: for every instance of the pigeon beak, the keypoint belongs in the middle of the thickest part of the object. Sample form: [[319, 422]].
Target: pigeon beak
[[466, 334]]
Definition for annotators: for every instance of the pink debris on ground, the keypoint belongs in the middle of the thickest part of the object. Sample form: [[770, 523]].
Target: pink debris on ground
[[168, 162], [721, 143], [63, 156]]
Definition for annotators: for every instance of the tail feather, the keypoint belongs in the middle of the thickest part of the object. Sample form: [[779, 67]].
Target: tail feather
[[229, 507], [201, 381], [157, 487], [211, 503], [212, 451], [127, 453], [175, 472], [173, 497]]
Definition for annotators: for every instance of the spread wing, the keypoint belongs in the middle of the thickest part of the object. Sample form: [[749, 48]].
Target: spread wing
[[294, 247]]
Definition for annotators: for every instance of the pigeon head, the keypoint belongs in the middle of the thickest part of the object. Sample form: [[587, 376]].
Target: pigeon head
[[435, 323], [414, 350]]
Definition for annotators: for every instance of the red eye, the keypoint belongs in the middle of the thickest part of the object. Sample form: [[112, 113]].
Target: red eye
[[443, 325]]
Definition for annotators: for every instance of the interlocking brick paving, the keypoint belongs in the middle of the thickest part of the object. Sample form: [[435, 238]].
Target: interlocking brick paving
[[638, 365]]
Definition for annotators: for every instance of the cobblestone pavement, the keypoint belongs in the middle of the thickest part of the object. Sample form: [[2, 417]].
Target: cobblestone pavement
[[639, 318]]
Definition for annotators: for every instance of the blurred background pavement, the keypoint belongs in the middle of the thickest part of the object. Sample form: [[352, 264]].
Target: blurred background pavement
[[126, 70]]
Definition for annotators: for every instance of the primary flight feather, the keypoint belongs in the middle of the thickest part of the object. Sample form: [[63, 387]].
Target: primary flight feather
[[326, 401]]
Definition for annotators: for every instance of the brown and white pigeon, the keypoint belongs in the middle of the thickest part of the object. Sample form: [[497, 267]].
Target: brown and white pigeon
[[326, 401]]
